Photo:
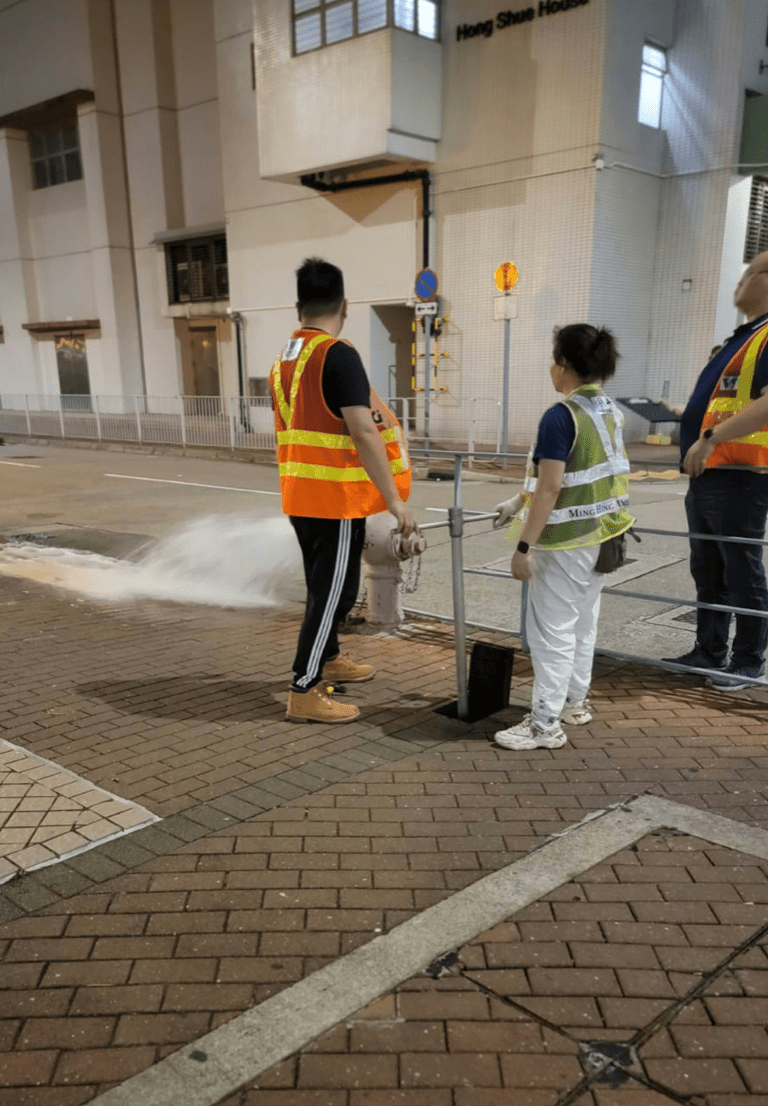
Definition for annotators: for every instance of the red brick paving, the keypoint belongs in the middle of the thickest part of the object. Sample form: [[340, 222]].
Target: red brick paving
[[501, 1029], [172, 707]]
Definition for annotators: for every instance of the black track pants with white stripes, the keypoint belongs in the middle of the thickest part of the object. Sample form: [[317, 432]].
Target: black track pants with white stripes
[[331, 549]]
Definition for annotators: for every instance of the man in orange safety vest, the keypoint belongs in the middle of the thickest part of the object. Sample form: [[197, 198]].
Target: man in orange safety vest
[[724, 449], [342, 457]]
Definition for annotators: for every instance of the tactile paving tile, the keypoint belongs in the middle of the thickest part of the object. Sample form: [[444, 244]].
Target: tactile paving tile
[[48, 813]]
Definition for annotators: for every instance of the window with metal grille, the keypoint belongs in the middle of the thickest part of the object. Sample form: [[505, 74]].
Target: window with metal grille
[[756, 239], [55, 154], [197, 269], [318, 23]]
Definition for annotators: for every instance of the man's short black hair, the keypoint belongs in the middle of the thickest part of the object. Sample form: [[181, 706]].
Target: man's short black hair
[[319, 288]]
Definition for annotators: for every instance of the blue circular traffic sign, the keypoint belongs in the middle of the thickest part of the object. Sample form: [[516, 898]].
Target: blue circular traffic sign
[[426, 285]]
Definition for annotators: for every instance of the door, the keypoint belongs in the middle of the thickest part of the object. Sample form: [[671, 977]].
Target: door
[[391, 336], [74, 384], [205, 361]]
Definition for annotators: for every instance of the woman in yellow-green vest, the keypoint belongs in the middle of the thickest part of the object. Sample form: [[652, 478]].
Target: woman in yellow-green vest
[[342, 458], [575, 498]]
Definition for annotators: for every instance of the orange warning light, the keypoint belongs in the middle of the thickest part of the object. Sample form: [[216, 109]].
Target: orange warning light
[[506, 276]]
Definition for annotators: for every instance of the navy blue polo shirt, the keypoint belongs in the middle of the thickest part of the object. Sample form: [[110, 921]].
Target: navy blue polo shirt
[[556, 435], [693, 416]]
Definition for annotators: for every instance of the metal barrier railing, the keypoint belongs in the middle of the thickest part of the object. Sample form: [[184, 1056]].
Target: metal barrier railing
[[455, 522], [221, 422], [212, 421]]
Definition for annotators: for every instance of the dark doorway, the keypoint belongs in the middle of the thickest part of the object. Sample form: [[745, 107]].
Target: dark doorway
[[74, 383]]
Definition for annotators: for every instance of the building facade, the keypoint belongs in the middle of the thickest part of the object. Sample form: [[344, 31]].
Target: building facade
[[165, 165]]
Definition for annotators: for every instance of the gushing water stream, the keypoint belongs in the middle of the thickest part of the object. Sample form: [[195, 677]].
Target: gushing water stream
[[222, 560]]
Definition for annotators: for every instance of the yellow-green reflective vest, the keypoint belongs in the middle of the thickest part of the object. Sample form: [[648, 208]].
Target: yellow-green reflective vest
[[593, 502]]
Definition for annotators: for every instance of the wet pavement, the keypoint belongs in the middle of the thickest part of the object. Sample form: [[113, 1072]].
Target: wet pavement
[[239, 910]]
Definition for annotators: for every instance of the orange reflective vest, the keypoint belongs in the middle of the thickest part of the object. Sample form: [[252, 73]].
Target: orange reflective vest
[[732, 393], [321, 475]]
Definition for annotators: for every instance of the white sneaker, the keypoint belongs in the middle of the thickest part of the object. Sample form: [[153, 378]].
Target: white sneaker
[[577, 713], [531, 735]]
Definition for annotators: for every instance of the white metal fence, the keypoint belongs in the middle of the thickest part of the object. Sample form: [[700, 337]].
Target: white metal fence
[[226, 423], [231, 423]]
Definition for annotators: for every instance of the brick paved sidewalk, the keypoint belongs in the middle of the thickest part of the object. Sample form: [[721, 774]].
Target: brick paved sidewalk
[[255, 879], [642, 983]]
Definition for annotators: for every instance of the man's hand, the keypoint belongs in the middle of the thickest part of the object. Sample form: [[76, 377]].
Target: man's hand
[[406, 523], [696, 458], [522, 569]]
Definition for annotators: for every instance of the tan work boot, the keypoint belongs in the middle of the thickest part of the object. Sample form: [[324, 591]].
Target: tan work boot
[[343, 670], [316, 705]]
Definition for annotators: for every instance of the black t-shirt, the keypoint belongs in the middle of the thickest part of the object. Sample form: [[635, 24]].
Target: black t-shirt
[[345, 381]]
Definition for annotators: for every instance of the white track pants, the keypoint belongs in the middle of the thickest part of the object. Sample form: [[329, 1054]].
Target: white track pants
[[561, 623]]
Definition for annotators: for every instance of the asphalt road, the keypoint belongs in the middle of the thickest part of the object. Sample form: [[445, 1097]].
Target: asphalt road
[[112, 502]]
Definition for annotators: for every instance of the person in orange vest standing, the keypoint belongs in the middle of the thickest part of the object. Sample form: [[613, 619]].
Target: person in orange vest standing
[[342, 457], [724, 449]]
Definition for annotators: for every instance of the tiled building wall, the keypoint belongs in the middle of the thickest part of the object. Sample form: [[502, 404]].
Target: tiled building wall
[[702, 111]]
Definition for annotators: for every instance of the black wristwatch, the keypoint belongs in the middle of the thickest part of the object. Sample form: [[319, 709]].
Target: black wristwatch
[[523, 547], [708, 433]]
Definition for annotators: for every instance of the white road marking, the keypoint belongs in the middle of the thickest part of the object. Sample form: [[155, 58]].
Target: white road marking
[[19, 465], [205, 1071], [187, 483]]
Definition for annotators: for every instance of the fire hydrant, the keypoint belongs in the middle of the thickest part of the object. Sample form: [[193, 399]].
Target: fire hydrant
[[383, 555]]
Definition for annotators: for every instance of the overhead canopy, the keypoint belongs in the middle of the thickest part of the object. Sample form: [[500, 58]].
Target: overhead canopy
[[47, 112]]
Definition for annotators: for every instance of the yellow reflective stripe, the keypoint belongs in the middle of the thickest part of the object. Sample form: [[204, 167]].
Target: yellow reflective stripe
[[744, 389], [332, 474], [760, 437], [724, 405], [326, 441], [312, 437], [286, 407], [277, 385]]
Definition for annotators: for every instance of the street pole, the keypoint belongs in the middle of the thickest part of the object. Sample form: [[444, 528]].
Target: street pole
[[427, 323], [505, 393]]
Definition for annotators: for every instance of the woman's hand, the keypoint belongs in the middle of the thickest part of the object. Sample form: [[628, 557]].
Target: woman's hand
[[522, 569]]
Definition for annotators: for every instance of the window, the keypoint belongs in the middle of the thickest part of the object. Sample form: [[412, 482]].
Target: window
[[756, 239], [652, 75], [197, 269], [55, 154], [319, 23]]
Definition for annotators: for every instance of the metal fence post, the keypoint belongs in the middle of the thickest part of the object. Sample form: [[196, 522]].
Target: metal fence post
[[472, 433], [456, 529], [138, 420], [61, 418], [231, 414], [183, 422], [98, 417], [26, 412]]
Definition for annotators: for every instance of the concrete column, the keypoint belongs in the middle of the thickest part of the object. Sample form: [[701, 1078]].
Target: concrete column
[[148, 87], [19, 364], [115, 359]]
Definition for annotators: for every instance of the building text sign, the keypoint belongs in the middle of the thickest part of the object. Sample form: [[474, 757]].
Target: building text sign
[[514, 18]]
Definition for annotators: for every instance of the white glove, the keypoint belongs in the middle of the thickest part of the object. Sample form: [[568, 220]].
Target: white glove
[[507, 511]]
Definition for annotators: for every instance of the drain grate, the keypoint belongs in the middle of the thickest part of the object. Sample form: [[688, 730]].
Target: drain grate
[[607, 1061], [107, 543]]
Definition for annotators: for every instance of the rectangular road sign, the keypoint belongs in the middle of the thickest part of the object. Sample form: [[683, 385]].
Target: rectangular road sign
[[429, 308], [505, 307]]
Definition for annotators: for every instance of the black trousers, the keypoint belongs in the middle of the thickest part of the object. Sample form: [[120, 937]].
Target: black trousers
[[331, 549], [726, 502]]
